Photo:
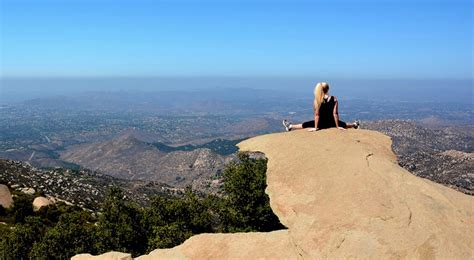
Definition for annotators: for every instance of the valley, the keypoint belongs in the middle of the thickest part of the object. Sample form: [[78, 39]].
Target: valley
[[158, 139]]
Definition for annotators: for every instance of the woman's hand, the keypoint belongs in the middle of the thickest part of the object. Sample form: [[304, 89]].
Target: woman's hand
[[341, 128], [312, 129]]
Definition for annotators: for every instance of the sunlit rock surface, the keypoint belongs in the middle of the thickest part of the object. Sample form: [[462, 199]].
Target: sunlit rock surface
[[342, 195], [39, 202], [6, 199]]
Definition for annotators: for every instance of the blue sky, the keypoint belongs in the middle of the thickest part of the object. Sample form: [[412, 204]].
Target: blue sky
[[339, 39]]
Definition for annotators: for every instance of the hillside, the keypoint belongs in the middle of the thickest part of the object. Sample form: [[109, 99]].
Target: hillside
[[443, 155], [80, 187], [341, 194], [129, 158], [116, 157]]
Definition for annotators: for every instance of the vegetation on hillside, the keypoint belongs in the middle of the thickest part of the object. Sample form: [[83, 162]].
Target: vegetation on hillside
[[61, 231], [220, 146]]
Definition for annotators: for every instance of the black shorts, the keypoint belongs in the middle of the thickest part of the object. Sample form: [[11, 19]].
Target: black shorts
[[310, 124]]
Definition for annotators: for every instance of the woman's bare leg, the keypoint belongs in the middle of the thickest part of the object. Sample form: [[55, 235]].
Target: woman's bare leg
[[296, 127]]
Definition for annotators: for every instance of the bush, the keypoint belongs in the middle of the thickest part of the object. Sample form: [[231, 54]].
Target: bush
[[3, 211], [22, 208], [60, 231], [167, 236], [120, 225], [73, 234], [171, 221], [53, 212], [247, 207], [18, 242]]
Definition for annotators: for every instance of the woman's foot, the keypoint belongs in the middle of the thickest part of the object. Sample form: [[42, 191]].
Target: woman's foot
[[287, 125], [356, 124]]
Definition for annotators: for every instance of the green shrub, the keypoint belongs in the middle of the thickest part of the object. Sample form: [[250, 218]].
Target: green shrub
[[17, 242], [22, 208], [60, 231], [246, 206], [171, 221], [73, 234], [120, 225]]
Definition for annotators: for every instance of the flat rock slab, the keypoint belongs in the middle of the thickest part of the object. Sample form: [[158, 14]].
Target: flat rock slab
[[106, 256]]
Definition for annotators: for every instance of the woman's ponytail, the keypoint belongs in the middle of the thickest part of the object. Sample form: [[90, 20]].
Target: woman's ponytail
[[319, 91]]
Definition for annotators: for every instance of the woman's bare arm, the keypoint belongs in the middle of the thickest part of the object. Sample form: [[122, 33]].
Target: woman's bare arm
[[335, 112], [316, 114]]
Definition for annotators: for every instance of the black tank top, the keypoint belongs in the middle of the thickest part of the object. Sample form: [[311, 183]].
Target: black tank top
[[326, 113]]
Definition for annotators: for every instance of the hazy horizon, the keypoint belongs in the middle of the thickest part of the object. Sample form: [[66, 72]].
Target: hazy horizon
[[430, 90]]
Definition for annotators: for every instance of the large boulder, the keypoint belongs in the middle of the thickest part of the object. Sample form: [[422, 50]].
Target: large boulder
[[28, 191], [341, 194], [6, 199], [39, 202]]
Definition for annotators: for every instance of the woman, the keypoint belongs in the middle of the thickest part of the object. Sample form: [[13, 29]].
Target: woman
[[325, 112]]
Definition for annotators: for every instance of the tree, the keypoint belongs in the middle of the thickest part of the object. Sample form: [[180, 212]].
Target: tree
[[16, 242], [120, 225], [171, 221], [73, 234], [167, 236], [22, 207], [61, 231], [53, 212], [246, 206], [3, 211]]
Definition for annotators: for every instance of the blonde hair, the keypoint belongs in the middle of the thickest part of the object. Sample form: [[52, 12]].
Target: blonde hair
[[320, 90]]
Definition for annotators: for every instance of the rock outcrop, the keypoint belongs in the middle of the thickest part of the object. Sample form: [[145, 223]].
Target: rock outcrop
[[39, 202], [28, 191], [341, 194], [6, 199]]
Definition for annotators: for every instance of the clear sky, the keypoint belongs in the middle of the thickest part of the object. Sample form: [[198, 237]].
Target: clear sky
[[419, 39]]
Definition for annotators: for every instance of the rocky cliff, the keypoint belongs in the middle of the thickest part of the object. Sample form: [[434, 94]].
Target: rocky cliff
[[341, 194]]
